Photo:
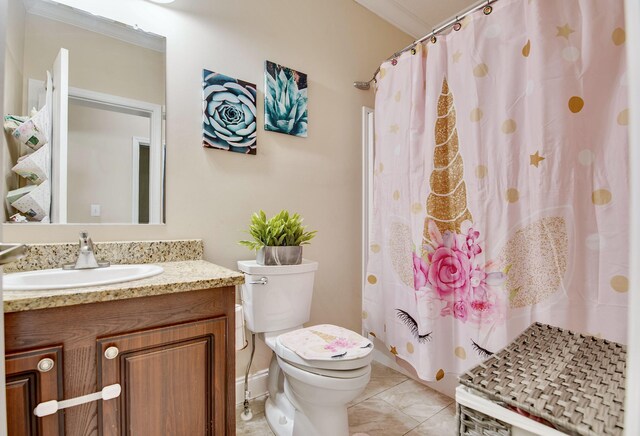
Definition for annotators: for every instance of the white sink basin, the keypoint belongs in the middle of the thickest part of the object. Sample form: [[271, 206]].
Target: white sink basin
[[65, 279]]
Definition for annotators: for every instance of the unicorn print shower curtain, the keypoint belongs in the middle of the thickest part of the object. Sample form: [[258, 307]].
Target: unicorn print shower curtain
[[500, 184]]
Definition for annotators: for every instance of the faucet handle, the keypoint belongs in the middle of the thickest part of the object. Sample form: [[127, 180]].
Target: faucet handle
[[86, 257], [86, 244]]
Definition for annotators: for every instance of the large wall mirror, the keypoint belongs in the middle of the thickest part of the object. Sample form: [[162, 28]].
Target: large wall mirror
[[84, 118]]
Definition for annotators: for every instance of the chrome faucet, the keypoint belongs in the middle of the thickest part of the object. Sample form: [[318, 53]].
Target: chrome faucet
[[86, 257]]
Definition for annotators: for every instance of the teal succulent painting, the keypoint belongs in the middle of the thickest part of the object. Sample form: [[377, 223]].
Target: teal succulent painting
[[229, 113], [285, 100]]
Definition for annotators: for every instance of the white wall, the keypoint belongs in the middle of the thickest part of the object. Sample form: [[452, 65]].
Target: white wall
[[211, 194], [13, 69], [100, 163], [96, 62], [14, 55]]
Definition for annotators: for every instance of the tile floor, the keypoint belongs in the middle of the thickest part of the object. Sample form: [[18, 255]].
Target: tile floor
[[391, 405]]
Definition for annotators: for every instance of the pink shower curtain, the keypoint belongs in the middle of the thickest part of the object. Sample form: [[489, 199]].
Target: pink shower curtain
[[501, 184]]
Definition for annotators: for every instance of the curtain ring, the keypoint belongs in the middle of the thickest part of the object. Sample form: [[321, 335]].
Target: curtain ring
[[433, 38], [413, 50], [487, 9], [457, 26], [394, 62]]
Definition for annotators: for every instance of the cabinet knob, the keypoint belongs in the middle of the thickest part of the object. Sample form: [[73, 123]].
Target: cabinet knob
[[111, 352], [46, 365]]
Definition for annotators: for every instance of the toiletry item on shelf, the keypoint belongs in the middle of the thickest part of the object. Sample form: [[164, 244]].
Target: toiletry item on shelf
[[12, 122], [34, 166], [33, 132], [17, 193], [18, 218], [35, 204]]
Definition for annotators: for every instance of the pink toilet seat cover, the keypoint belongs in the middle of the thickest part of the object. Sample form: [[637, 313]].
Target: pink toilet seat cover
[[326, 342]]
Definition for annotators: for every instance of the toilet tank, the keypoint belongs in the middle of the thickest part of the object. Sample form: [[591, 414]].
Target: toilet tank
[[276, 297]]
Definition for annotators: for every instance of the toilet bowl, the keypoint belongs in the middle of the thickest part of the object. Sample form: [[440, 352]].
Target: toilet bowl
[[321, 401], [310, 397], [315, 371]]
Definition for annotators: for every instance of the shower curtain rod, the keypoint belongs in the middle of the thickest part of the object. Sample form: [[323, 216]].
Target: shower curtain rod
[[485, 5]]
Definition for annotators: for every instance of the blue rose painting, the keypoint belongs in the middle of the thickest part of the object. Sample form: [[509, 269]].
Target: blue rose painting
[[229, 113], [285, 100]]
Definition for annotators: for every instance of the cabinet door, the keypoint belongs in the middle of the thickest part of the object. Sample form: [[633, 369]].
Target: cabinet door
[[173, 380], [30, 382]]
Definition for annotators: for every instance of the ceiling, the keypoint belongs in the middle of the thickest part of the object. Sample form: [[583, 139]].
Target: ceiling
[[416, 17]]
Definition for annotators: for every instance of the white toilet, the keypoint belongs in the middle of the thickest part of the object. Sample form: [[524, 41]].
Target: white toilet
[[308, 395]]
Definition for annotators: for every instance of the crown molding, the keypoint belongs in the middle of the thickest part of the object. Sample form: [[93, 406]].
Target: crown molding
[[399, 16], [94, 23]]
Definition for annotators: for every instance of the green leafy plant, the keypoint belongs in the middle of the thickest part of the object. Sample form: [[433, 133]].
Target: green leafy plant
[[280, 230]]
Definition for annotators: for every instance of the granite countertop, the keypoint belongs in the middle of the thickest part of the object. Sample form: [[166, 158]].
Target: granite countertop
[[180, 276]]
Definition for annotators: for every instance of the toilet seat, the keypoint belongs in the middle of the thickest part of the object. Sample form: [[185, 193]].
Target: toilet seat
[[330, 368], [333, 373], [324, 382]]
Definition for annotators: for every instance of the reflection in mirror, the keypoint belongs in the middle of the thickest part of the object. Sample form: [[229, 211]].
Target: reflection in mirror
[[94, 151]]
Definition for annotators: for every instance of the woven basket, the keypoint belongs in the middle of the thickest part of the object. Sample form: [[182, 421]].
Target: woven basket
[[576, 382], [474, 423]]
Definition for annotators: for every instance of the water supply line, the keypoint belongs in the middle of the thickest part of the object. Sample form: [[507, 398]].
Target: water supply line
[[247, 414]]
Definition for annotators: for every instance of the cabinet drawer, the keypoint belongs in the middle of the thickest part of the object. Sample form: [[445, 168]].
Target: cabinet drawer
[[173, 380]]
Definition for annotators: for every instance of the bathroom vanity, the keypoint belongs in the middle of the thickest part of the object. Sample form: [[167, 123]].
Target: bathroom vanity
[[167, 341]]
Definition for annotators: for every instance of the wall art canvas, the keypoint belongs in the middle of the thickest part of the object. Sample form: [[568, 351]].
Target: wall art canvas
[[285, 100], [229, 113]]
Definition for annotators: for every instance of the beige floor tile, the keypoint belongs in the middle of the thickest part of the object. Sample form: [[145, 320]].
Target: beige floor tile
[[442, 424], [258, 425], [382, 378], [376, 417], [415, 399], [378, 411], [378, 370]]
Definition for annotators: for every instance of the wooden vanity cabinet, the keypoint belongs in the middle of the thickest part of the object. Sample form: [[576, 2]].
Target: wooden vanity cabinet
[[173, 356], [31, 378], [171, 378]]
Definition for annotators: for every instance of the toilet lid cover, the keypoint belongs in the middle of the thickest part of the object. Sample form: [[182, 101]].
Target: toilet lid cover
[[326, 342]]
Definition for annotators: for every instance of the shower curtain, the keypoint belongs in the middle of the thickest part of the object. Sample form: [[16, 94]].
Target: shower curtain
[[501, 184]]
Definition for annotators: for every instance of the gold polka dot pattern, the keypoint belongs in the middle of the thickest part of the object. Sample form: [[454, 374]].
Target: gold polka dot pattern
[[620, 283], [600, 197]]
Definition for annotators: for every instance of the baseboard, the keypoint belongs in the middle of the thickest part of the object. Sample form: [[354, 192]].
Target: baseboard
[[257, 385]]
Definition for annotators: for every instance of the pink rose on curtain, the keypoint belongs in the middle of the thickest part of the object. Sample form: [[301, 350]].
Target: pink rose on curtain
[[456, 275], [420, 271], [486, 298], [449, 271], [460, 310], [471, 246]]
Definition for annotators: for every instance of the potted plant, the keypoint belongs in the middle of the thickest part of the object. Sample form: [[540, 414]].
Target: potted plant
[[279, 239]]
